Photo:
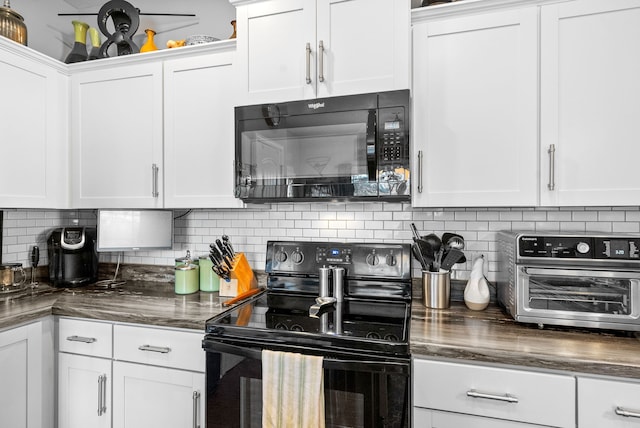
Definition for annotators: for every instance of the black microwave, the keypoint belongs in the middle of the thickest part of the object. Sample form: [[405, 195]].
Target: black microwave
[[352, 147]]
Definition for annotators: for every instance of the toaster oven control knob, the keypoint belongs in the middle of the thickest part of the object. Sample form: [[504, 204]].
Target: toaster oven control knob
[[391, 260], [373, 259], [583, 247], [297, 257], [281, 256]]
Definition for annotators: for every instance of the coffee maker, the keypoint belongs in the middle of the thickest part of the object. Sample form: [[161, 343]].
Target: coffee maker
[[73, 258]]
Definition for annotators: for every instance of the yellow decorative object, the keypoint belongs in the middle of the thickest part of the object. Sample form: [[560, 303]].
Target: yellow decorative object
[[233, 23], [149, 45], [176, 43]]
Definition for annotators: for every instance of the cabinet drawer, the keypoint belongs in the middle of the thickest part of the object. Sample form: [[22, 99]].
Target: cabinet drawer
[[603, 403], [160, 347], [85, 337], [516, 395]]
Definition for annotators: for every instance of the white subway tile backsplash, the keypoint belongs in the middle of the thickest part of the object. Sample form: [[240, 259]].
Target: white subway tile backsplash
[[250, 228]]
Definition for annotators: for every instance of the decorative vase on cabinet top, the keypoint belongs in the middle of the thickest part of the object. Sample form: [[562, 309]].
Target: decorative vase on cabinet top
[[233, 24], [12, 24], [149, 45], [79, 51], [94, 36]]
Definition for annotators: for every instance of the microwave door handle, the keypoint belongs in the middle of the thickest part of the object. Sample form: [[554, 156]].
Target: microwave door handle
[[371, 146]]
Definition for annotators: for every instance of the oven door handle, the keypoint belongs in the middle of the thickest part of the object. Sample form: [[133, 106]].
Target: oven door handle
[[530, 271], [249, 350]]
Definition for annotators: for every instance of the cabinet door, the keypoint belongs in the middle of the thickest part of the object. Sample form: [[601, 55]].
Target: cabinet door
[[366, 46], [608, 404], [200, 94], [84, 391], [22, 392], [475, 127], [34, 133], [272, 57], [156, 397], [424, 418], [116, 137], [589, 112]]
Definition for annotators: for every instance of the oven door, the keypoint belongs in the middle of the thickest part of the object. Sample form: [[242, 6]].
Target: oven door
[[358, 392], [576, 297]]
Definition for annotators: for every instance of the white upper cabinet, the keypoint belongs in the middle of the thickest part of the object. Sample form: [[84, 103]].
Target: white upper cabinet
[[475, 100], [590, 87], [199, 140], [34, 133], [305, 49], [116, 137]]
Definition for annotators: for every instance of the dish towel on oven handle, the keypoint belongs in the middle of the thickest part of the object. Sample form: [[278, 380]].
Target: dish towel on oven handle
[[292, 390]]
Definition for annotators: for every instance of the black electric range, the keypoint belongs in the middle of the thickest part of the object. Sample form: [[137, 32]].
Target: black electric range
[[373, 314]]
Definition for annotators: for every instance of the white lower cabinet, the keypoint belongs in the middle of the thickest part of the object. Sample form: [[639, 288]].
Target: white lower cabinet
[[608, 403], [447, 395], [156, 397], [84, 391], [129, 376], [26, 381]]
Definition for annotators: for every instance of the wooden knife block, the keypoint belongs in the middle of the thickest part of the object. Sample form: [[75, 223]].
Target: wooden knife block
[[242, 278]]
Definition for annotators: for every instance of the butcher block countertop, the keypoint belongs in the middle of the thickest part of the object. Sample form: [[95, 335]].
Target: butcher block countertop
[[490, 336], [457, 333]]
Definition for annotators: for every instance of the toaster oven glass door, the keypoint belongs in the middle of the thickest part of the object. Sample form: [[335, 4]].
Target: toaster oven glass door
[[600, 293]]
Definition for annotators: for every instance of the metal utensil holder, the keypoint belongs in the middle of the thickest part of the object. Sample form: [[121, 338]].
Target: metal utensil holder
[[436, 289]]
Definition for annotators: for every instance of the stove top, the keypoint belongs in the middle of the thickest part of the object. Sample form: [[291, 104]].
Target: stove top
[[371, 315]]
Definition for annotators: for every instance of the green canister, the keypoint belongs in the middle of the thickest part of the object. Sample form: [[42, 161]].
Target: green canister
[[187, 279], [209, 281]]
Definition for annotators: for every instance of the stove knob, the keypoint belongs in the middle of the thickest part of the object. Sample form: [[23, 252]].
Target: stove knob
[[583, 247], [372, 259], [391, 260], [281, 257], [297, 257]]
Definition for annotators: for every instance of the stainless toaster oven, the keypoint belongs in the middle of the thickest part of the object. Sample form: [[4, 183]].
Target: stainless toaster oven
[[570, 279]]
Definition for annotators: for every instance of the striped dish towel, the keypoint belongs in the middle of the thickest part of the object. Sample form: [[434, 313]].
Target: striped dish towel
[[292, 390]]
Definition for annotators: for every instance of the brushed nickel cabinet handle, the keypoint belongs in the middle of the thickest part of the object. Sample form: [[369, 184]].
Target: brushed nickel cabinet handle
[[321, 61], [419, 171], [308, 49], [104, 394], [620, 411], [552, 167], [100, 394], [506, 397], [196, 402], [159, 349], [154, 178], [82, 339]]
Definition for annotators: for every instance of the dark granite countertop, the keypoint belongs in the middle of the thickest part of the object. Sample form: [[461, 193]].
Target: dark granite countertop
[[457, 333], [151, 303], [490, 336]]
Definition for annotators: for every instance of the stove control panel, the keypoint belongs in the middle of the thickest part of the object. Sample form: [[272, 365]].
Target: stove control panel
[[389, 261]]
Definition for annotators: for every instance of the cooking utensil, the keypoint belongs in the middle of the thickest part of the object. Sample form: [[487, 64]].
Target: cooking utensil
[[434, 245], [227, 243], [242, 296], [35, 258], [453, 256], [452, 240], [417, 253]]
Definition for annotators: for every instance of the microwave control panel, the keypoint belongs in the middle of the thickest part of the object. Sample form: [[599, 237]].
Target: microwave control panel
[[580, 247], [392, 138]]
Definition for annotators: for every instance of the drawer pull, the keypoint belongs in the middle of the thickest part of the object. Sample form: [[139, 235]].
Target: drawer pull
[[159, 349], [506, 397], [82, 339], [627, 413]]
